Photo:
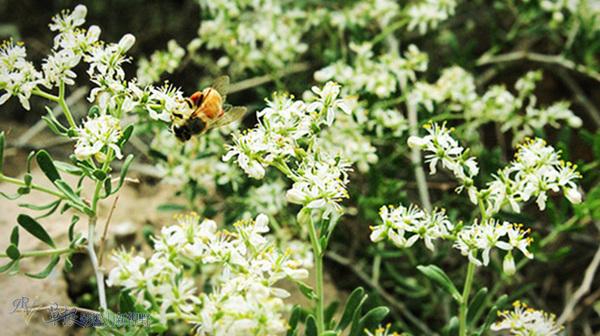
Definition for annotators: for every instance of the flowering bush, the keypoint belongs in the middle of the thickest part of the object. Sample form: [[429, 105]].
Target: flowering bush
[[337, 149]]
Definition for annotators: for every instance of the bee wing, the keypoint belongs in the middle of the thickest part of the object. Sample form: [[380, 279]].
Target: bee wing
[[231, 114], [222, 86]]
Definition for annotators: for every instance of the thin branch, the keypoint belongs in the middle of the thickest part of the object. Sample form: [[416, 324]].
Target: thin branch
[[582, 290], [257, 81], [580, 96], [415, 156], [382, 292], [540, 58]]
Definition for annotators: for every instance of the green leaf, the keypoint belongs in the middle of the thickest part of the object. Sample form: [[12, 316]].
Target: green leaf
[[71, 133], [74, 221], [476, 306], [1, 150], [157, 155], [38, 207], [169, 207], [68, 263], [14, 236], [323, 243], [440, 278], [107, 187], [50, 211], [329, 333], [354, 302], [293, 321], [454, 326], [74, 199], [311, 326], [47, 165], [11, 197], [35, 228], [371, 320], [94, 112], [99, 174], [28, 179], [329, 312], [307, 291], [7, 266], [126, 164], [53, 127], [29, 158], [46, 271], [12, 251], [125, 135], [126, 304], [493, 314], [14, 269], [54, 120], [24, 190], [68, 168]]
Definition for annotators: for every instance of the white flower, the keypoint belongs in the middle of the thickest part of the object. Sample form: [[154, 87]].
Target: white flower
[[96, 136], [327, 102], [526, 321]]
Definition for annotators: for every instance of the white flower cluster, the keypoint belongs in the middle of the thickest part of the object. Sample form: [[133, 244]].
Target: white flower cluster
[[519, 113], [536, 170], [428, 13], [18, 77], [245, 268], [254, 33], [404, 226], [72, 44], [149, 71], [364, 14], [319, 177], [489, 234], [445, 149], [381, 75], [197, 160], [95, 136], [526, 321]]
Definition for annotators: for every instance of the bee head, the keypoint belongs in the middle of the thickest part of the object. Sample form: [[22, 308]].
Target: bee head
[[182, 132]]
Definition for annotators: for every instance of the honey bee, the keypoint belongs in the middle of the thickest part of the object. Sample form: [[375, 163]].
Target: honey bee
[[206, 110]]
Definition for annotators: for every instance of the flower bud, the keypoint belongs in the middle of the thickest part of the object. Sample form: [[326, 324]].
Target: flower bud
[[509, 264], [304, 217], [126, 42], [79, 14], [416, 142], [573, 195]]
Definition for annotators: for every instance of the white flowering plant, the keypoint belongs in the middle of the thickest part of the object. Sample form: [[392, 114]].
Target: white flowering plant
[[321, 166]]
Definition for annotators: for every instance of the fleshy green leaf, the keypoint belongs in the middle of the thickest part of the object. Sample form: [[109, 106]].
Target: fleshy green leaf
[[94, 112], [107, 186], [371, 319], [35, 228], [307, 291], [126, 304], [11, 197], [354, 302], [454, 326], [44, 273], [7, 266], [68, 168], [125, 135], [329, 312], [14, 269], [28, 179], [493, 314], [74, 199], [68, 263], [293, 320], [53, 127], [14, 236], [38, 207], [476, 305], [74, 221], [29, 158], [440, 278], [311, 326], [50, 211], [12, 251], [124, 169], [54, 120], [47, 165], [99, 174]]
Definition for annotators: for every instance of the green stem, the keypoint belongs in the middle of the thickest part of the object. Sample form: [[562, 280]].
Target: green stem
[[314, 238], [105, 166], [43, 94], [462, 317], [42, 253], [97, 270], [12, 180], [63, 104], [388, 30]]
